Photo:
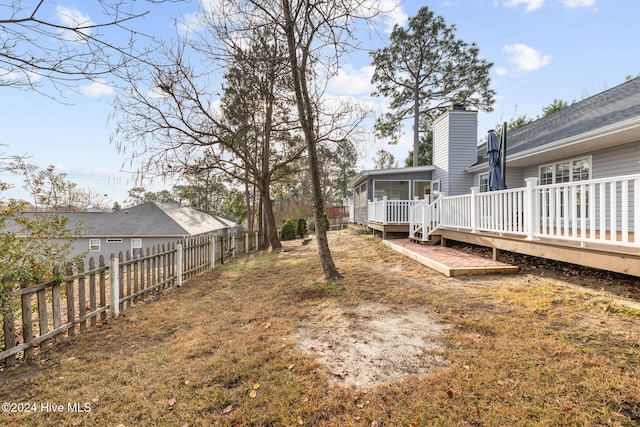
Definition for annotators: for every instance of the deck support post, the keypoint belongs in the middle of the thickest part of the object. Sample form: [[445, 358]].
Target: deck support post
[[530, 211], [474, 209], [384, 211]]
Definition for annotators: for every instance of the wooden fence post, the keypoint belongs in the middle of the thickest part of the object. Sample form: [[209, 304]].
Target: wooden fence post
[[212, 252], [233, 246], [114, 287], [179, 265], [27, 325], [103, 286], [9, 329]]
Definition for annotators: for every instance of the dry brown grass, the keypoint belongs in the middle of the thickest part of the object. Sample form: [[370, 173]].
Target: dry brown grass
[[519, 350]]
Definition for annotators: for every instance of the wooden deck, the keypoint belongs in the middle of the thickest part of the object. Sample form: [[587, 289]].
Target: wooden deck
[[448, 261], [620, 259], [388, 228]]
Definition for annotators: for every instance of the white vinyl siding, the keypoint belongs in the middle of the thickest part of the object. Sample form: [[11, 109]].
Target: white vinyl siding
[[454, 140], [617, 161]]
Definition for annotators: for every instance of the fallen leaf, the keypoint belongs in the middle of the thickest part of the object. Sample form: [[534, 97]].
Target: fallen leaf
[[227, 409], [76, 422], [253, 394]]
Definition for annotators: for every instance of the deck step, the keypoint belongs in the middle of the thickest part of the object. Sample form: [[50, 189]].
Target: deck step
[[431, 241], [448, 261]]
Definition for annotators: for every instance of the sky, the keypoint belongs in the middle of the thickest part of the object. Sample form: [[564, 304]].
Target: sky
[[541, 50]]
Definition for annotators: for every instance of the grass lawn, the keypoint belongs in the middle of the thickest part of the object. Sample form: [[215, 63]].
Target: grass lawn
[[263, 341]]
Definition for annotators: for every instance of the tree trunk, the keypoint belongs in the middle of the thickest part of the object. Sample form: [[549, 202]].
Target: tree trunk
[[328, 266], [271, 229], [305, 112], [416, 126]]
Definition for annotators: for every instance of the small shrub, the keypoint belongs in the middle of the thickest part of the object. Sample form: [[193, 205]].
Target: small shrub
[[288, 230], [327, 224], [301, 229]]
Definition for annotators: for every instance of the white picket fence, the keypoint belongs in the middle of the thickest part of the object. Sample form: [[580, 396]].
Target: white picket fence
[[603, 211]]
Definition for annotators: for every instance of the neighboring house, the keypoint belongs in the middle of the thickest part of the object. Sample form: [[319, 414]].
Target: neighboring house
[[144, 226], [573, 185]]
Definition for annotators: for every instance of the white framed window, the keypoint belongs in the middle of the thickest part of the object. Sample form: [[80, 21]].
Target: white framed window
[[566, 171], [136, 247], [422, 189], [435, 189], [572, 170], [94, 245], [484, 182]]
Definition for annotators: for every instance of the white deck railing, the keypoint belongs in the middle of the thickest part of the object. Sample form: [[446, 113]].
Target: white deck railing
[[390, 211], [597, 211], [429, 218]]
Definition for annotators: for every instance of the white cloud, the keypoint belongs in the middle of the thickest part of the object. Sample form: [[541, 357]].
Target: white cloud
[[530, 5], [17, 77], [96, 88], [351, 81], [526, 58], [501, 71], [392, 14], [73, 18], [572, 4]]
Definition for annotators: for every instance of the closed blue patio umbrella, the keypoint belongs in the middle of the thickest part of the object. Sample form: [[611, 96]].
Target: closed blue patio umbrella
[[496, 182]]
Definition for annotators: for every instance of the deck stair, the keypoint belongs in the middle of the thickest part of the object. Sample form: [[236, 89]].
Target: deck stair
[[429, 240]]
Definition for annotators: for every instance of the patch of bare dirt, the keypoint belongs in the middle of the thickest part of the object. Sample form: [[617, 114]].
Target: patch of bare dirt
[[370, 344]]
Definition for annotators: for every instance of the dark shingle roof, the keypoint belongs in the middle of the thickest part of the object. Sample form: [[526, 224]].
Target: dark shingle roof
[[147, 220], [612, 106]]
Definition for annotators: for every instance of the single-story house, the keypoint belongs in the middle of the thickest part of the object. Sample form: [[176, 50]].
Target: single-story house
[[598, 137], [395, 184], [573, 177], [143, 226]]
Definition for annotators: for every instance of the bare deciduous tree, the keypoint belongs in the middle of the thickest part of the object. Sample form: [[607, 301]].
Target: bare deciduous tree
[[43, 40], [176, 119], [317, 34]]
